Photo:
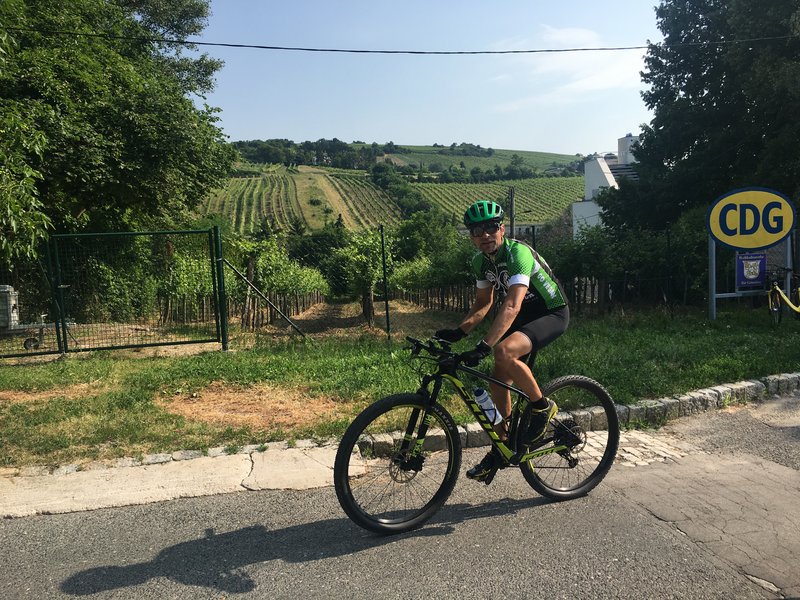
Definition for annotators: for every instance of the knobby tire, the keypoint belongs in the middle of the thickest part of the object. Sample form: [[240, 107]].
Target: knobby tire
[[381, 487], [591, 430]]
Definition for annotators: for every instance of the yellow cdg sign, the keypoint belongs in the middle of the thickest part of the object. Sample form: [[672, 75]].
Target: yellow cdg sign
[[751, 218]]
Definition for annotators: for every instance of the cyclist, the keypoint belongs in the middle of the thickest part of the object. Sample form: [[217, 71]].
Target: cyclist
[[533, 312]]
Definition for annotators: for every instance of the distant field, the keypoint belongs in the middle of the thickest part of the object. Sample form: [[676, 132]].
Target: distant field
[[535, 200], [428, 155], [313, 196]]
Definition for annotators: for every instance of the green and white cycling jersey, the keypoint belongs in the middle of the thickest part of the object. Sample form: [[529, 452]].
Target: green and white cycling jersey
[[517, 263]]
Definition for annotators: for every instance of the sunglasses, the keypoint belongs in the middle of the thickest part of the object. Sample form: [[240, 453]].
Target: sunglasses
[[479, 230]]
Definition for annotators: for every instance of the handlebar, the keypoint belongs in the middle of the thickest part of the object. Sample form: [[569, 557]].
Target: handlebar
[[776, 273], [442, 350], [439, 351]]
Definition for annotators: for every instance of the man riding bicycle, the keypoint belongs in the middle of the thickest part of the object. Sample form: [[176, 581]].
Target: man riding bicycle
[[533, 312]]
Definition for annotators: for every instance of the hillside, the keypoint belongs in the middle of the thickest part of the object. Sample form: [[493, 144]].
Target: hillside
[[431, 157], [431, 160], [312, 196], [536, 200]]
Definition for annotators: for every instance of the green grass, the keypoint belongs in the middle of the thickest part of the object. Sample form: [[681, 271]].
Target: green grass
[[119, 411], [650, 355]]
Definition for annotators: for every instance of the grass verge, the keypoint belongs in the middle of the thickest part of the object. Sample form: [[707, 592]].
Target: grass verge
[[104, 405]]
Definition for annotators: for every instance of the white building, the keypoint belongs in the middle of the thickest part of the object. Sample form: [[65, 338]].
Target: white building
[[600, 172]]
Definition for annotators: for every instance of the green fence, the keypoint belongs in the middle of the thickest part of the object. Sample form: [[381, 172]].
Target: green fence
[[97, 291]]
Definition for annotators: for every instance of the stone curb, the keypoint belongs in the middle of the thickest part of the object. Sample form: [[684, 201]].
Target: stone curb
[[160, 459], [645, 413], [659, 411], [649, 412]]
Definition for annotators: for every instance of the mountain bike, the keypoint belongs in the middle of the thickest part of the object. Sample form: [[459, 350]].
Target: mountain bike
[[777, 299], [399, 459]]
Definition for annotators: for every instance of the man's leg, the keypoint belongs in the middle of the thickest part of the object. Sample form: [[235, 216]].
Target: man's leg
[[509, 367], [520, 345], [508, 355]]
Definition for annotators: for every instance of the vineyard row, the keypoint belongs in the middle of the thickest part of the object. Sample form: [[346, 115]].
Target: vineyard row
[[247, 201]]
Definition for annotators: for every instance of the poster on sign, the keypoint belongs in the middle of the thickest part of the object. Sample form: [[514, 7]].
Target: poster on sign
[[750, 270]]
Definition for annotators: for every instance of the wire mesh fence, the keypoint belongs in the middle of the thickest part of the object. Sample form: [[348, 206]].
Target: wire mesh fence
[[141, 289], [99, 291], [105, 291], [27, 315]]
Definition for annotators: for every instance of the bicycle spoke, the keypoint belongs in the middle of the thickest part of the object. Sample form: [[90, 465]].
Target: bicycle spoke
[[414, 493], [587, 426], [383, 485]]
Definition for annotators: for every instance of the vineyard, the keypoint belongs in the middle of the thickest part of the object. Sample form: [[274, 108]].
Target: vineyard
[[247, 201], [304, 195], [369, 204], [311, 197], [536, 200]]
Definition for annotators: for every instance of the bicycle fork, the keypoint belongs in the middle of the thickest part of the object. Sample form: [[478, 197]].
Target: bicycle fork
[[410, 456]]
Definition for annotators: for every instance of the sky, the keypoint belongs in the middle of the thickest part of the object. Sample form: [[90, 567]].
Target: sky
[[569, 103]]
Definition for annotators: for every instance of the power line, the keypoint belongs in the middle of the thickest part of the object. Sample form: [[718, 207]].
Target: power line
[[180, 42]]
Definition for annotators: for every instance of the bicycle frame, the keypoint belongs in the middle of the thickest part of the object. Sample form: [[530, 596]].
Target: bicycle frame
[[447, 370]]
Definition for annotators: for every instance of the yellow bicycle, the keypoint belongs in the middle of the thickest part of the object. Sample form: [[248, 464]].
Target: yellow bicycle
[[778, 299]]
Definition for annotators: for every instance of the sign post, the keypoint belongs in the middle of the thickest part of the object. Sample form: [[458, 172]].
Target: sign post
[[747, 220]]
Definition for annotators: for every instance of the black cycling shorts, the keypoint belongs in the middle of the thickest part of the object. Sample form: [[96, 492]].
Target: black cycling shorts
[[541, 330]]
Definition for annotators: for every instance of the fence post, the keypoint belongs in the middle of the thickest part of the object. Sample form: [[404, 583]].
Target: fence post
[[221, 299], [61, 317], [53, 299], [385, 283]]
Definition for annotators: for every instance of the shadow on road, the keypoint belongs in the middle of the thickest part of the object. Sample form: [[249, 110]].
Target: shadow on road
[[217, 560]]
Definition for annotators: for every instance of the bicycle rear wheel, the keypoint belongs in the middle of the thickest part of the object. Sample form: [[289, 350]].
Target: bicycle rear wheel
[[775, 306], [383, 481], [587, 427]]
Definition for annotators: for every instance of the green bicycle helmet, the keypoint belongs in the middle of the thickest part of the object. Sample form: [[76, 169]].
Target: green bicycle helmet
[[483, 210]]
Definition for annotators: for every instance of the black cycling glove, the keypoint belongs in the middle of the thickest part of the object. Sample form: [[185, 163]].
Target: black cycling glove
[[471, 358], [450, 335]]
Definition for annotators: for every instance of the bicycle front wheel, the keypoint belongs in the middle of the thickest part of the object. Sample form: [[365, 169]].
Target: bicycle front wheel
[[385, 481], [586, 429], [775, 306]]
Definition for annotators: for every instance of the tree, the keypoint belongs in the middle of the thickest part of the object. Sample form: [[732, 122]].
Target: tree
[[23, 222], [362, 261], [724, 108], [176, 19], [297, 226], [426, 233], [118, 142], [315, 249], [724, 88]]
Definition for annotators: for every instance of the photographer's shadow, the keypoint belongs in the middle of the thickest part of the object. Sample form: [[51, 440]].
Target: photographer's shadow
[[218, 561]]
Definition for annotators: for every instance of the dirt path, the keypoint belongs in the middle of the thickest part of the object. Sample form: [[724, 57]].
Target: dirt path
[[332, 319], [332, 195]]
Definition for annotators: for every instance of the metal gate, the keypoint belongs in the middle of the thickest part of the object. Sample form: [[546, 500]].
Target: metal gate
[[96, 291]]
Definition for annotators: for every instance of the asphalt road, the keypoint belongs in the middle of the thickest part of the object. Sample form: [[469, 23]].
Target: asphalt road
[[646, 532]]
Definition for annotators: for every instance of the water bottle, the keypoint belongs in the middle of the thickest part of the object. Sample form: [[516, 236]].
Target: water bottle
[[485, 402]]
